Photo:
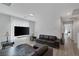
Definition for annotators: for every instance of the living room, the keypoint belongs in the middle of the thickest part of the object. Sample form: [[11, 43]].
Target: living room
[[24, 23]]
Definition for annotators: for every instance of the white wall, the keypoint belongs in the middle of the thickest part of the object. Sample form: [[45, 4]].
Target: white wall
[[49, 27], [75, 29], [76, 32], [78, 40], [32, 27], [4, 27]]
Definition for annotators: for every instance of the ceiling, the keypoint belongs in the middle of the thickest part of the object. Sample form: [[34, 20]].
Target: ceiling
[[44, 10]]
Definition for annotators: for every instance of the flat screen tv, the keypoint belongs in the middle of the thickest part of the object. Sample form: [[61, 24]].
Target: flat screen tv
[[18, 31]]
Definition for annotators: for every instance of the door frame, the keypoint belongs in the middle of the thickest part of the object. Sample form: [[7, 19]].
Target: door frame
[[65, 22]]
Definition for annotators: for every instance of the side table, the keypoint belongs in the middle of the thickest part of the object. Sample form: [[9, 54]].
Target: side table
[[5, 43]]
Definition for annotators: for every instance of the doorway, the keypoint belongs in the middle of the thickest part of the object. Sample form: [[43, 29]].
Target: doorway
[[68, 26]]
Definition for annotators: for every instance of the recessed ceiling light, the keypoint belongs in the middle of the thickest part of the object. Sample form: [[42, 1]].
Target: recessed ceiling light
[[31, 15], [69, 13]]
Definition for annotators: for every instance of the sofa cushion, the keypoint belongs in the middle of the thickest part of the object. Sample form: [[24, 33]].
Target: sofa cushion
[[45, 41], [41, 36], [52, 38], [44, 37]]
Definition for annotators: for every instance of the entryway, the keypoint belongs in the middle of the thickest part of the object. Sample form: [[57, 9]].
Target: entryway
[[68, 30]]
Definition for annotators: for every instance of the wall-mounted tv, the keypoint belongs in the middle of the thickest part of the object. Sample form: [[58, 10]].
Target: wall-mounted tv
[[18, 31]]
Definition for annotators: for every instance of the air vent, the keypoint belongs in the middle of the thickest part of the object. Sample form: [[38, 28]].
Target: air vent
[[7, 4]]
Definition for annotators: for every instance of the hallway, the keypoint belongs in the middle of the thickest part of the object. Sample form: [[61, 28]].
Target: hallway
[[68, 49]]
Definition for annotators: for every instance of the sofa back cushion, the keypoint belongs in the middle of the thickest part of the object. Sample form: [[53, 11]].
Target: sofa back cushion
[[52, 38], [47, 37], [43, 37]]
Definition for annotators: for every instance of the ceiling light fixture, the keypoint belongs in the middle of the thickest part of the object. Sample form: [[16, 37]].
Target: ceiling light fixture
[[31, 15]]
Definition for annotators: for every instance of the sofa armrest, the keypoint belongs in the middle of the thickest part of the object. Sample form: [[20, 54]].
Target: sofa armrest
[[40, 51], [49, 52], [57, 40]]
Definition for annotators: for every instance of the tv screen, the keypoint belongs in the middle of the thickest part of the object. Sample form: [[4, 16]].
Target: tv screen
[[21, 30]]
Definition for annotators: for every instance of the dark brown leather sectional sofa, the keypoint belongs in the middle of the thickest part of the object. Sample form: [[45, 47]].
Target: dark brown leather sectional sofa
[[49, 40]]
